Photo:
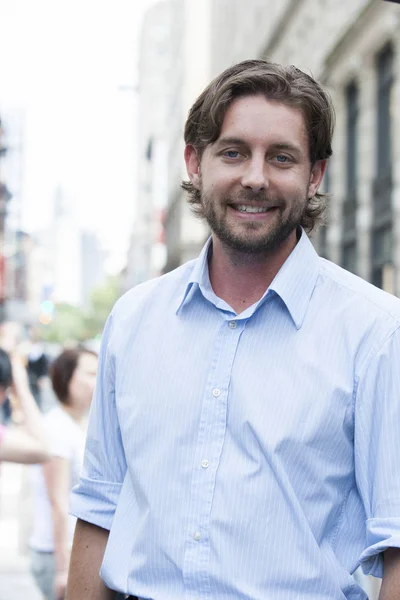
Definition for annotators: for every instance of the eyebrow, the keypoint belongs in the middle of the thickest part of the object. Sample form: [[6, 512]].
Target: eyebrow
[[230, 140], [286, 146], [240, 142]]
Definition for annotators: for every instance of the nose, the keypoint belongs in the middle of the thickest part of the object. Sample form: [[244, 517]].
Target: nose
[[255, 175]]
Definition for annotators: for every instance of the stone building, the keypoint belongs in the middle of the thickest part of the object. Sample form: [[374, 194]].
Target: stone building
[[151, 181], [174, 65]]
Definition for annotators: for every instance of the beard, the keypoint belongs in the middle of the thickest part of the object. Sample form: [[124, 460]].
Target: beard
[[252, 238]]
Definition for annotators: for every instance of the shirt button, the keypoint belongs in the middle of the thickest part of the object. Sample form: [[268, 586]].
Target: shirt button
[[216, 392], [197, 536], [232, 324], [205, 464]]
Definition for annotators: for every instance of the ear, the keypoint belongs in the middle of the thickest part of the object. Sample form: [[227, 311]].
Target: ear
[[317, 173], [192, 165]]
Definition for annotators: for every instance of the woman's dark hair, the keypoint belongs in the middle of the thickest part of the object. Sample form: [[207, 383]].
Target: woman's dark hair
[[62, 370], [287, 85], [5, 370]]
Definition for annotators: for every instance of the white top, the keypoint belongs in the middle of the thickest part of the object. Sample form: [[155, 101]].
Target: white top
[[67, 440]]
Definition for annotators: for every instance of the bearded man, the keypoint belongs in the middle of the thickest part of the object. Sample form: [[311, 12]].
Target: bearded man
[[243, 441]]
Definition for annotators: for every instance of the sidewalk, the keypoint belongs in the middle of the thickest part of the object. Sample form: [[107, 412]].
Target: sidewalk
[[16, 582]]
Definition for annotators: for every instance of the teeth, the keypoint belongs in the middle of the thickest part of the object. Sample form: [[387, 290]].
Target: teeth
[[251, 209]]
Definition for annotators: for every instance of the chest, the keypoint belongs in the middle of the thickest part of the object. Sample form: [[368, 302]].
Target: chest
[[270, 388]]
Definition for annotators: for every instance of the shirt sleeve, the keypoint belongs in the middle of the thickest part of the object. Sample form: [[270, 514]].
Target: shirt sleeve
[[95, 498], [377, 452]]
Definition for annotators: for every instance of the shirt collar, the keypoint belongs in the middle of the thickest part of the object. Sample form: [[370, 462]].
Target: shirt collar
[[199, 275], [296, 279], [294, 283]]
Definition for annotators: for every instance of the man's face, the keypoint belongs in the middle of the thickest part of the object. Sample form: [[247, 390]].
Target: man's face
[[255, 180]]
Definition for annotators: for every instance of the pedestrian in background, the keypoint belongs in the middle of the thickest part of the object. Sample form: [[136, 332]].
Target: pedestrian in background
[[24, 442], [37, 365], [244, 435], [73, 375]]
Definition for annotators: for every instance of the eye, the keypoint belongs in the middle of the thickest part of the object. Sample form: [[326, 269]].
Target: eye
[[231, 153], [281, 158]]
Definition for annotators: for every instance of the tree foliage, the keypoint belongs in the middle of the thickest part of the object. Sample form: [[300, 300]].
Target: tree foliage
[[72, 323], [102, 300]]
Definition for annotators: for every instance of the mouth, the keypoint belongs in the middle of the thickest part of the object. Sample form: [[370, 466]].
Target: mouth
[[253, 211], [249, 208]]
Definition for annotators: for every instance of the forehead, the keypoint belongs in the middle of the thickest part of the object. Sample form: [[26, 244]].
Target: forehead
[[257, 119]]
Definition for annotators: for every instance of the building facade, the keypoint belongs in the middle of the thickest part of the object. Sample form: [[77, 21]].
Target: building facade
[[146, 255]]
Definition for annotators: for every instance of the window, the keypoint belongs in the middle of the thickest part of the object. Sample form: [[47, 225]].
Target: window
[[382, 237], [349, 232]]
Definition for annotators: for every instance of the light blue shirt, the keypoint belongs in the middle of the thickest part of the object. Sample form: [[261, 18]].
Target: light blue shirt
[[246, 456]]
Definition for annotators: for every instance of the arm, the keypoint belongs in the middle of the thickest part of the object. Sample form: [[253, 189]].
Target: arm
[[20, 447], [95, 498], [376, 455], [390, 589], [84, 582], [26, 444], [57, 477]]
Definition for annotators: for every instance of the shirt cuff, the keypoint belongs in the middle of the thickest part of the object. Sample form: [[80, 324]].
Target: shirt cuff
[[95, 501], [382, 533]]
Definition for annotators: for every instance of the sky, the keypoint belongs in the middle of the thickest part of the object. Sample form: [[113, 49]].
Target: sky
[[69, 67]]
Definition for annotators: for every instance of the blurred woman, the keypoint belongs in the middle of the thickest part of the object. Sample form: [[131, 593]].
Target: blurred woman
[[25, 443], [73, 376]]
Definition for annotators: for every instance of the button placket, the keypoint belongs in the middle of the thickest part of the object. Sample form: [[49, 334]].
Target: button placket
[[210, 441]]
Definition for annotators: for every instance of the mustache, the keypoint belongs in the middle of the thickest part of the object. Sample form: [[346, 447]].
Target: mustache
[[246, 196]]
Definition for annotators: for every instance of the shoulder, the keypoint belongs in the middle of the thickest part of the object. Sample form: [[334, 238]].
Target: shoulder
[[360, 294], [61, 431], [158, 292], [53, 417], [59, 424]]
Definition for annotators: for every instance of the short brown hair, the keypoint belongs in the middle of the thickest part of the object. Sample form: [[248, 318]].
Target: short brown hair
[[288, 85], [63, 368]]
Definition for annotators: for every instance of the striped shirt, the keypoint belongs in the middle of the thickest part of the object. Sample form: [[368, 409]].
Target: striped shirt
[[252, 455]]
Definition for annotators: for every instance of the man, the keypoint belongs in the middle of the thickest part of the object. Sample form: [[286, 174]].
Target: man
[[243, 441]]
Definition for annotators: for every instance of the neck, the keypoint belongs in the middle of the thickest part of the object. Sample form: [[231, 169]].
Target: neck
[[241, 279], [76, 413]]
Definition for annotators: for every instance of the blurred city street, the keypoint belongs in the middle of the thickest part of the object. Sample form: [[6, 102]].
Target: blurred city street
[[15, 579]]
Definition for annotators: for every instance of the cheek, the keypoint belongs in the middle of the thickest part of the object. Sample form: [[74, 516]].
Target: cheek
[[78, 388], [216, 181]]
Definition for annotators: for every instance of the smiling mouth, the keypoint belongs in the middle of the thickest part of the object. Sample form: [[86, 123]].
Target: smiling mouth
[[246, 208]]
